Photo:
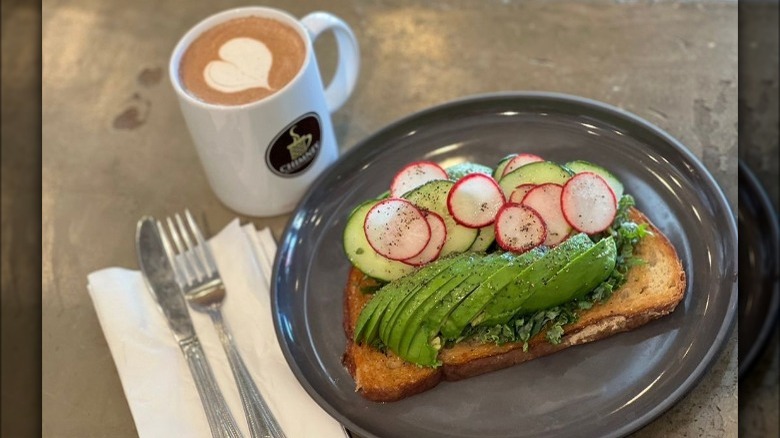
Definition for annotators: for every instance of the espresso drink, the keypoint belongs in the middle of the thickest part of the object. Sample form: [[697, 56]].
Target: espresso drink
[[242, 60]]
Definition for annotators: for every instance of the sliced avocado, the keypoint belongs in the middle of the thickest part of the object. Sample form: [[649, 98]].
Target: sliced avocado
[[394, 307], [581, 275], [423, 345], [469, 308], [437, 315], [373, 308], [367, 325], [456, 274], [404, 290], [423, 351], [432, 311], [507, 301]]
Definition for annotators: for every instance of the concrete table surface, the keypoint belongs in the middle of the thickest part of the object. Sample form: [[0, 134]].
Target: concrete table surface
[[115, 146]]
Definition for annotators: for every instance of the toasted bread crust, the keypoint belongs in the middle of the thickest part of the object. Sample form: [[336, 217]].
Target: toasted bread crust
[[651, 291]]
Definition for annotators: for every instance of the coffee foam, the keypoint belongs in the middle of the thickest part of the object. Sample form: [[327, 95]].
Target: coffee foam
[[241, 60], [244, 63]]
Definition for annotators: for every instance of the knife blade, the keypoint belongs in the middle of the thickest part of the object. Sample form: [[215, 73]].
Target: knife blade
[[161, 280]]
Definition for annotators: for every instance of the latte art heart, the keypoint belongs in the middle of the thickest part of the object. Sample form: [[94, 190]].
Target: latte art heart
[[231, 63], [244, 63]]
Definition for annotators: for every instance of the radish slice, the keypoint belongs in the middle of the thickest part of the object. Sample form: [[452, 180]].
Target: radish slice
[[521, 160], [588, 203], [546, 200], [519, 193], [396, 229], [519, 228], [414, 175], [435, 243], [474, 200]]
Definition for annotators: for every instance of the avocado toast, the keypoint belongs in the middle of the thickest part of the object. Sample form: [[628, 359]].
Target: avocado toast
[[470, 312]]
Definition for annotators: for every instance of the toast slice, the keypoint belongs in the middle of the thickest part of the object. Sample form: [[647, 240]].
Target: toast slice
[[651, 291]]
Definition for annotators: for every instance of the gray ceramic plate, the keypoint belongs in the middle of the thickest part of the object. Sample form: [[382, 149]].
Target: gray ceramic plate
[[607, 388]]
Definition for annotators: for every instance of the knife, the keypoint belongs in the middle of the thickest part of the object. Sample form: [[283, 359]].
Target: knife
[[161, 280]]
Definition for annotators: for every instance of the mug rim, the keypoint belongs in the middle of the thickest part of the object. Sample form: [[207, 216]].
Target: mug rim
[[221, 17]]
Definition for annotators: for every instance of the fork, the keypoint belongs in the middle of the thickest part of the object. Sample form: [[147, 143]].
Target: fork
[[197, 275]]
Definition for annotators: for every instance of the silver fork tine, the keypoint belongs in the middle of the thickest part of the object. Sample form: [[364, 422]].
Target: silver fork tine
[[203, 246], [189, 271], [177, 270], [201, 270]]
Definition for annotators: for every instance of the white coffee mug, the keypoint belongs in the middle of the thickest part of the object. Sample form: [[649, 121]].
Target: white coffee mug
[[260, 157]]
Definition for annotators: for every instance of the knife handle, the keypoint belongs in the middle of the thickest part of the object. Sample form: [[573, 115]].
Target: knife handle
[[221, 421]]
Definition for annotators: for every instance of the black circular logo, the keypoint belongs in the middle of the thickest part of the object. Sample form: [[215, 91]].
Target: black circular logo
[[295, 147]]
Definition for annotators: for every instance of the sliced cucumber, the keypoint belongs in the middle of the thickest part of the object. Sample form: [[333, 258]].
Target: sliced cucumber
[[499, 172], [360, 253], [485, 237], [585, 166], [534, 173], [432, 196], [460, 170]]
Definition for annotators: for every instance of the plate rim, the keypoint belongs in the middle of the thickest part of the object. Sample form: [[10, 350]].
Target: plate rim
[[757, 191], [688, 384]]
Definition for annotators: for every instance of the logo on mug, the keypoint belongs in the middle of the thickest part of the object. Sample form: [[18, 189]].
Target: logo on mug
[[296, 147]]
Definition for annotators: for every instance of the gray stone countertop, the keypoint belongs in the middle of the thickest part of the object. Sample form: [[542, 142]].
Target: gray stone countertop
[[115, 146]]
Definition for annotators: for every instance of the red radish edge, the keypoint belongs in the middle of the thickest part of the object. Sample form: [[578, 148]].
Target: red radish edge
[[490, 204], [435, 244], [572, 197], [397, 187], [533, 241], [386, 238], [545, 200], [519, 161], [519, 193]]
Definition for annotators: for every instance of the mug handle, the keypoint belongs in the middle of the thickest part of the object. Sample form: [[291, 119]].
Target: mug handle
[[343, 83]]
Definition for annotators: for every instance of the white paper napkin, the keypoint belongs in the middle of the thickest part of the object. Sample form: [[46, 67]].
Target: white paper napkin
[[156, 379]]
